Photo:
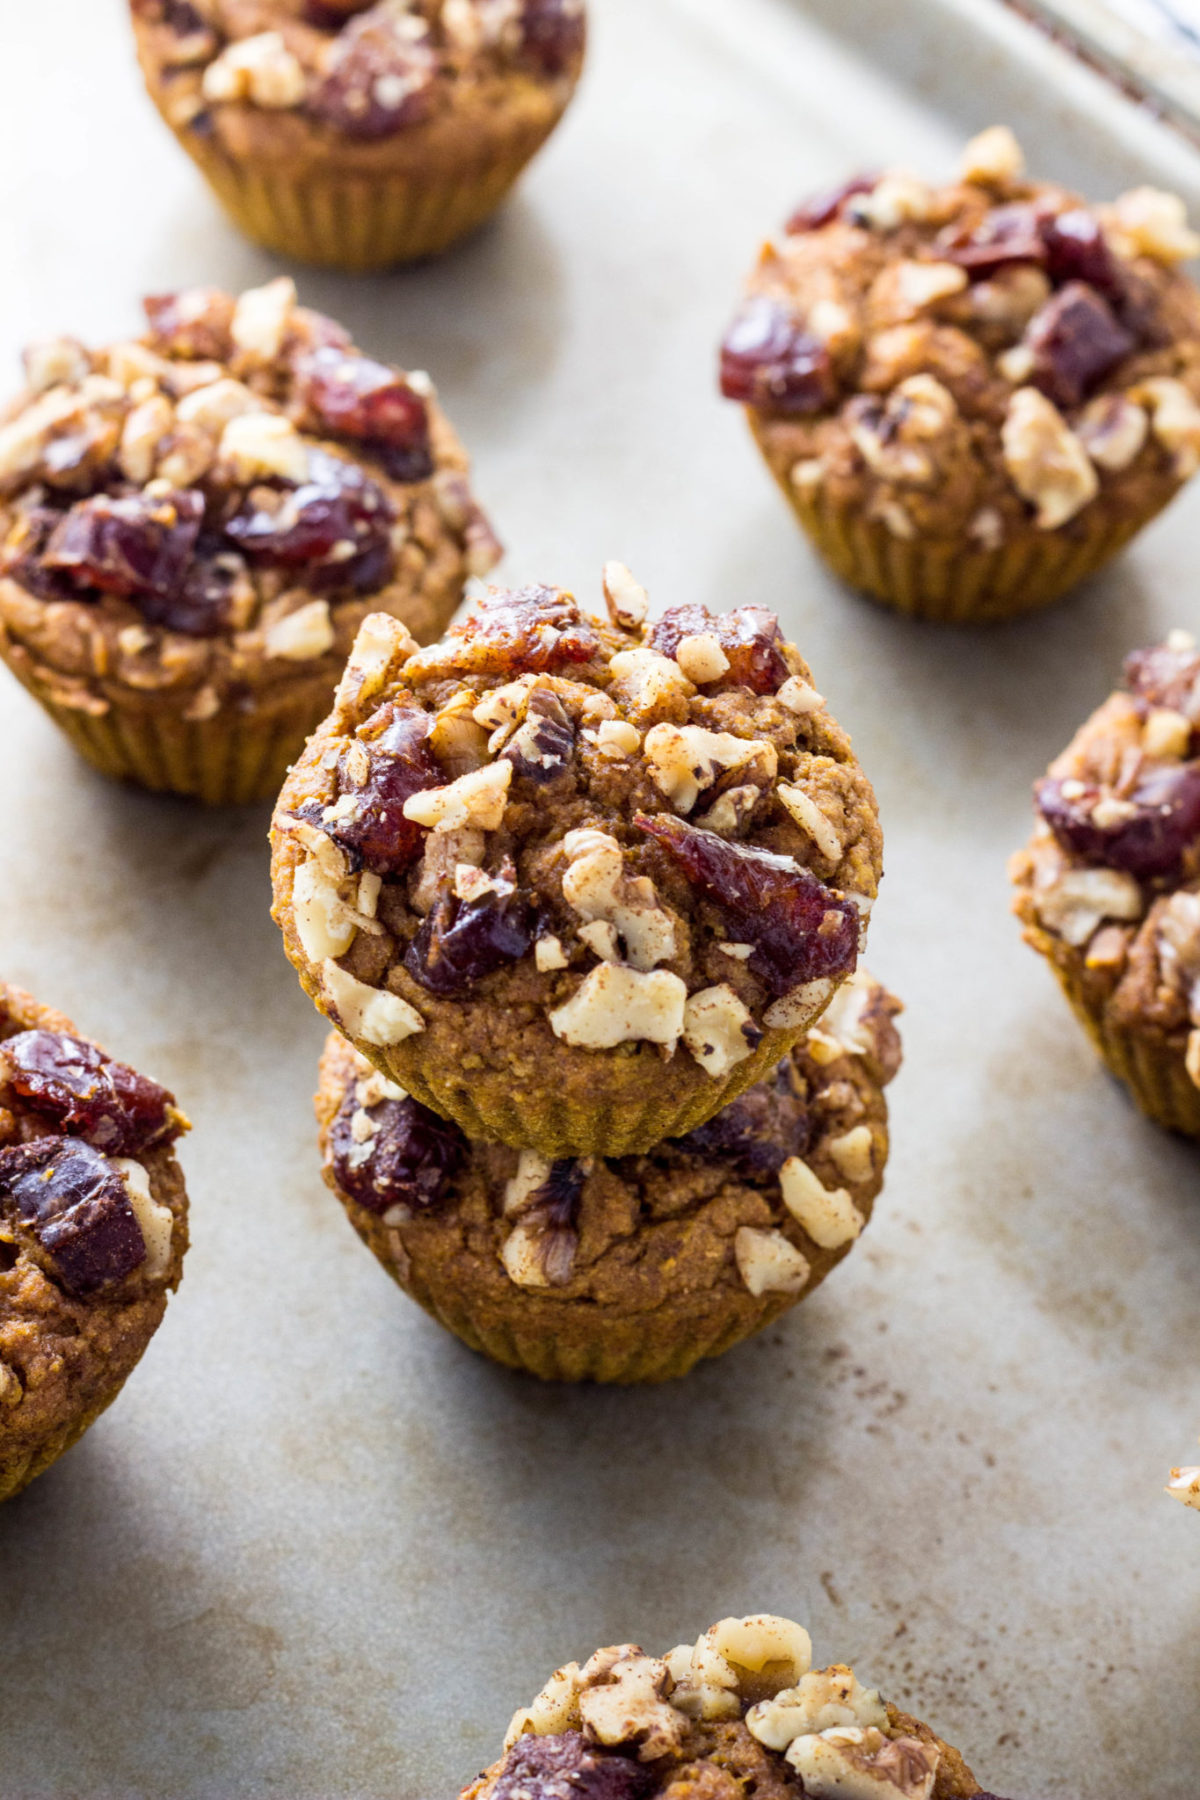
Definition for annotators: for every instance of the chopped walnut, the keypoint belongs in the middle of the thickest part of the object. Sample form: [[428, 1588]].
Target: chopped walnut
[[476, 799], [856, 1763], [828, 1215], [647, 682], [1155, 224], [993, 158], [1075, 902], [303, 635], [701, 657], [1174, 420], [597, 886], [719, 1029], [261, 318], [628, 602], [799, 697], [768, 1263], [854, 1153], [262, 444], [820, 1701], [1049, 466], [622, 1700], [812, 820], [1112, 429], [1185, 1485], [260, 69], [684, 760], [618, 1005], [375, 1016]]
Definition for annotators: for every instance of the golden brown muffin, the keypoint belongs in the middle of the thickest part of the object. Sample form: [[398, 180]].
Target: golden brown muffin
[[194, 525], [1109, 887], [972, 396], [740, 1712], [354, 134], [574, 883], [635, 1268], [93, 1228]]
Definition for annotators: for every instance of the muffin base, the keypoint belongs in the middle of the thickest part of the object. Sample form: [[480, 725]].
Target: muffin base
[[231, 759], [360, 222], [1146, 1060], [16, 1472], [951, 581]]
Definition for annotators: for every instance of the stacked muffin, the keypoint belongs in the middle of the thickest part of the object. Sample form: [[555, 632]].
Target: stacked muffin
[[577, 891]]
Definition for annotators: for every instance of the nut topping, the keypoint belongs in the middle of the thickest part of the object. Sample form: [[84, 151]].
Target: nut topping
[[1049, 466]]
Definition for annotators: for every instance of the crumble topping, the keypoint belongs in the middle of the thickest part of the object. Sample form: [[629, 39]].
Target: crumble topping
[[741, 1710], [219, 502], [1113, 869], [519, 796], [988, 357], [364, 71], [785, 1175]]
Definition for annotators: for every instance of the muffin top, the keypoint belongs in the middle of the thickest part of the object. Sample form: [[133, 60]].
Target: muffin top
[[216, 506], [766, 1196], [92, 1209], [984, 357], [614, 831], [350, 69], [1113, 870], [742, 1711]]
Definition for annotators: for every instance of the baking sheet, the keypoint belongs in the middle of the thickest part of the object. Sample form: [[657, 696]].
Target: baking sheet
[[319, 1550]]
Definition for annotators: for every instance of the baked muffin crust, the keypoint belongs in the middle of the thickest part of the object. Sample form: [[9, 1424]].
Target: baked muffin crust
[[741, 1711], [93, 1229], [636, 1266], [539, 861], [1109, 886], [194, 524]]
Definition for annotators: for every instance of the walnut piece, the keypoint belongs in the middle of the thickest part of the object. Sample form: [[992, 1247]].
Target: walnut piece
[[828, 1215], [597, 886], [371, 1014], [685, 759], [618, 1005], [769, 1263], [1049, 466], [719, 1029]]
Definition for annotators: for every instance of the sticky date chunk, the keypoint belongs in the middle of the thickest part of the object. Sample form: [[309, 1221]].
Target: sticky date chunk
[[1165, 677], [552, 34], [1006, 235], [86, 1093], [380, 76], [543, 746], [201, 606], [371, 403], [1076, 250], [78, 1209], [566, 1767], [750, 638], [376, 835], [757, 1133], [523, 631], [331, 15], [800, 930], [821, 209], [135, 546], [408, 1161], [461, 941], [770, 362], [196, 324], [1148, 842], [338, 522], [1076, 340]]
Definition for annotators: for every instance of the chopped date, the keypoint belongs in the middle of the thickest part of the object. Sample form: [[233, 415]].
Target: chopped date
[[380, 78], [376, 835], [338, 521], [201, 607], [331, 15], [800, 930], [1076, 340], [461, 941], [77, 1207], [134, 545], [749, 636], [770, 361], [370, 403], [1165, 677], [88, 1094], [1006, 235], [1076, 250], [552, 34], [409, 1160], [758, 1132], [518, 631], [565, 1766], [1149, 841], [821, 209], [195, 324]]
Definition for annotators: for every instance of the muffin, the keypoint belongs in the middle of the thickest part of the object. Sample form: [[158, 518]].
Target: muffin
[[740, 1712], [972, 396], [634, 1268], [93, 1227], [576, 884], [360, 135], [194, 525], [1109, 887]]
